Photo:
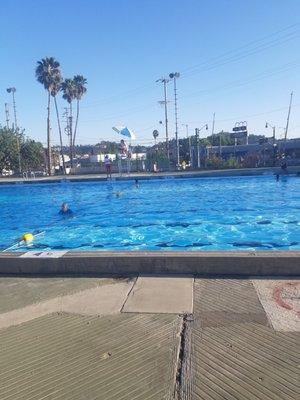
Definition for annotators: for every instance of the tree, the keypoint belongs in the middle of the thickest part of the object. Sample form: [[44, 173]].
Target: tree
[[80, 90], [56, 87], [8, 149], [32, 153], [47, 73], [69, 93]]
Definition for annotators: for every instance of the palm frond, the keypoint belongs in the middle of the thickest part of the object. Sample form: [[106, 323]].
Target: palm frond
[[69, 90], [80, 83], [48, 73]]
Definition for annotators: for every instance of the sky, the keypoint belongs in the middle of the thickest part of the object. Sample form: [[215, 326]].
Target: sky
[[238, 59]]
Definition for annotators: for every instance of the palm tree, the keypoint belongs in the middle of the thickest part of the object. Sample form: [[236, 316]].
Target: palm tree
[[47, 72], [79, 82], [69, 93], [56, 87]]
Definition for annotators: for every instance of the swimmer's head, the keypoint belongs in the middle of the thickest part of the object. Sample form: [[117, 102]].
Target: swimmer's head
[[64, 207]]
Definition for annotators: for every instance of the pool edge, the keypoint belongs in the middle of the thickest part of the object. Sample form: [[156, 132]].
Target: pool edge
[[279, 263]]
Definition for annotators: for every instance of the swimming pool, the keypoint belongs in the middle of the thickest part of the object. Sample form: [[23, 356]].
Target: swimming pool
[[236, 213]]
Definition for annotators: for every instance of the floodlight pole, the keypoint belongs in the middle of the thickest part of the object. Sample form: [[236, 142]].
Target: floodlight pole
[[287, 122], [197, 131], [15, 109], [174, 76], [213, 124], [268, 125], [273, 130], [7, 115], [165, 81], [13, 90], [176, 122], [198, 147], [189, 141]]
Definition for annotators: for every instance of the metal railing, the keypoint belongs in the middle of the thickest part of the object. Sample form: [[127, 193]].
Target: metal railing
[[26, 176]]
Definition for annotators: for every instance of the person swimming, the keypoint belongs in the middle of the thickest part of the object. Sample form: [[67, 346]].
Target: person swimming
[[65, 210], [137, 185]]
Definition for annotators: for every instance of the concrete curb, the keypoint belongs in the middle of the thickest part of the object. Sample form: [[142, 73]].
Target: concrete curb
[[153, 263], [152, 176]]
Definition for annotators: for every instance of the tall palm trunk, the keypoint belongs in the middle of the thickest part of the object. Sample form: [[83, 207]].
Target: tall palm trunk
[[60, 137], [71, 135], [49, 155], [76, 123]]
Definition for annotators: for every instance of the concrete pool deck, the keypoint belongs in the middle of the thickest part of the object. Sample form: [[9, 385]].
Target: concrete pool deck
[[237, 339]]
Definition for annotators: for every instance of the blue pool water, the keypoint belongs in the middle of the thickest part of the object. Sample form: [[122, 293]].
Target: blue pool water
[[240, 213]]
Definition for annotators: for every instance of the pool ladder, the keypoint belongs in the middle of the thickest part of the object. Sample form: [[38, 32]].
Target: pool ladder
[[25, 175]]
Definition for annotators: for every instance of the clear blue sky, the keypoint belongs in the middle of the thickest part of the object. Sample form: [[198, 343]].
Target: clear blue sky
[[237, 58]]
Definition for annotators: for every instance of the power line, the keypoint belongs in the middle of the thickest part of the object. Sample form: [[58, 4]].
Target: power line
[[260, 76], [118, 116], [249, 115], [211, 63], [245, 45], [222, 60], [121, 96]]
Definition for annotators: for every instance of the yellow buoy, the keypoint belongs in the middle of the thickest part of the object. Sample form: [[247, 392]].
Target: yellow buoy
[[28, 237]]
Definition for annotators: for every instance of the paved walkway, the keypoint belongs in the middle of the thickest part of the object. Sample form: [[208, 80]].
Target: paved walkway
[[237, 353], [149, 338]]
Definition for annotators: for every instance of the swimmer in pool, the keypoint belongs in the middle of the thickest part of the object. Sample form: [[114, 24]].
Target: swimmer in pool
[[137, 185], [65, 210]]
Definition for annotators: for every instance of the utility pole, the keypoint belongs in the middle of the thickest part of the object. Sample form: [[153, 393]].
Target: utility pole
[[165, 81], [13, 90], [235, 144], [198, 147], [71, 139], [68, 130], [190, 145], [174, 76], [268, 125], [213, 124], [197, 131], [287, 123], [220, 143], [7, 115]]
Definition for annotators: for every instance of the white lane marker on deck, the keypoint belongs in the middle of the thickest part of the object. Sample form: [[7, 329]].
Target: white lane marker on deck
[[44, 254]]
